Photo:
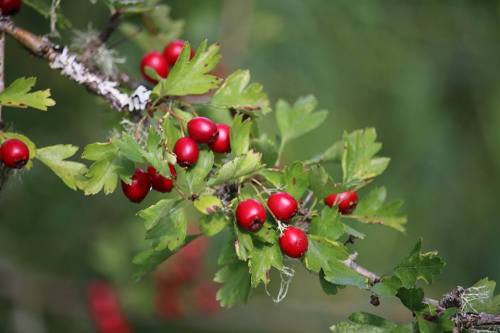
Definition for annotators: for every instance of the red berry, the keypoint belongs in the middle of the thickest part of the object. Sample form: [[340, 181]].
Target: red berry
[[137, 190], [156, 61], [250, 215], [173, 50], [187, 151], [222, 142], [160, 183], [202, 130], [282, 205], [15, 153], [293, 242], [10, 7], [347, 201]]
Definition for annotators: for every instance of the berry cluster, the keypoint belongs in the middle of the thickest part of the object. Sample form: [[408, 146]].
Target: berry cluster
[[162, 62], [201, 130], [105, 309], [10, 7], [14, 153], [251, 216]]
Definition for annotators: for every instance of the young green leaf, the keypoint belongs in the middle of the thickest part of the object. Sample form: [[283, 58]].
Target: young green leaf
[[239, 166], [262, 259], [358, 159], [327, 225], [485, 301], [153, 214], [191, 76], [299, 119], [372, 209], [296, 179], [240, 135], [212, 224], [235, 93], [71, 173], [192, 181], [170, 231], [419, 266], [18, 95], [207, 204]]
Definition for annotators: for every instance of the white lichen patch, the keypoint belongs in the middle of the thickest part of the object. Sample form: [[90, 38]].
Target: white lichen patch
[[70, 67]]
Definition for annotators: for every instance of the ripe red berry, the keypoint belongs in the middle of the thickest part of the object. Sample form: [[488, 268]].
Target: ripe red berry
[[10, 7], [282, 205], [15, 153], [346, 201], [187, 151], [202, 130], [222, 143], [250, 215], [173, 50], [160, 183], [139, 187], [157, 62], [293, 242]]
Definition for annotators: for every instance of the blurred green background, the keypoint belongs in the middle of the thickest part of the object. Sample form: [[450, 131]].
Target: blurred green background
[[423, 73]]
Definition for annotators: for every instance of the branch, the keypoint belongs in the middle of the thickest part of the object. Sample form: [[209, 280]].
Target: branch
[[66, 63]]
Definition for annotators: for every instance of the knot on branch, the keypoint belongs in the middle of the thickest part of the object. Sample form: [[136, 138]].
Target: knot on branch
[[453, 299]]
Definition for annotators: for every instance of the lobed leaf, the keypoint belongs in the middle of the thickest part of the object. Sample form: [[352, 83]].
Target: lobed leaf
[[19, 95], [54, 157]]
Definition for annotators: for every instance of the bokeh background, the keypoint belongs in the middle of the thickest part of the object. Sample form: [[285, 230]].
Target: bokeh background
[[425, 74]]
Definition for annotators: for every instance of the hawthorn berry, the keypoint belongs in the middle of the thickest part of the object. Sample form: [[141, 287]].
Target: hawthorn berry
[[202, 130], [138, 188], [157, 62], [187, 151], [346, 201], [293, 242], [160, 183], [250, 215], [173, 50], [15, 153], [222, 143], [10, 7], [282, 205]]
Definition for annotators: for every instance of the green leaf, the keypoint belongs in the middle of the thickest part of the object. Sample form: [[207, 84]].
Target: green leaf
[[243, 244], [212, 224], [419, 266], [267, 147], [71, 173], [481, 297], [328, 287], [207, 204], [18, 95], [275, 177], [262, 259], [412, 298], [161, 29], [239, 166], [299, 119], [327, 225], [156, 212], [321, 183], [236, 93], [129, 148], [194, 180], [234, 276], [149, 259], [296, 179], [388, 286], [172, 133], [362, 322], [107, 169], [191, 76], [358, 159], [240, 135], [372, 209], [170, 231]]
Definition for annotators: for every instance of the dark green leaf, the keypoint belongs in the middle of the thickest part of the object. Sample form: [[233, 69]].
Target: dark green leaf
[[411, 298]]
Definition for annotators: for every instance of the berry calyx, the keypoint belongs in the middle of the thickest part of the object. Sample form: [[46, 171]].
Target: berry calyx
[[293, 242], [222, 143], [10, 7], [173, 50], [160, 183], [202, 130], [346, 201], [250, 215], [187, 151], [157, 62], [282, 205], [138, 188], [15, 153]]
